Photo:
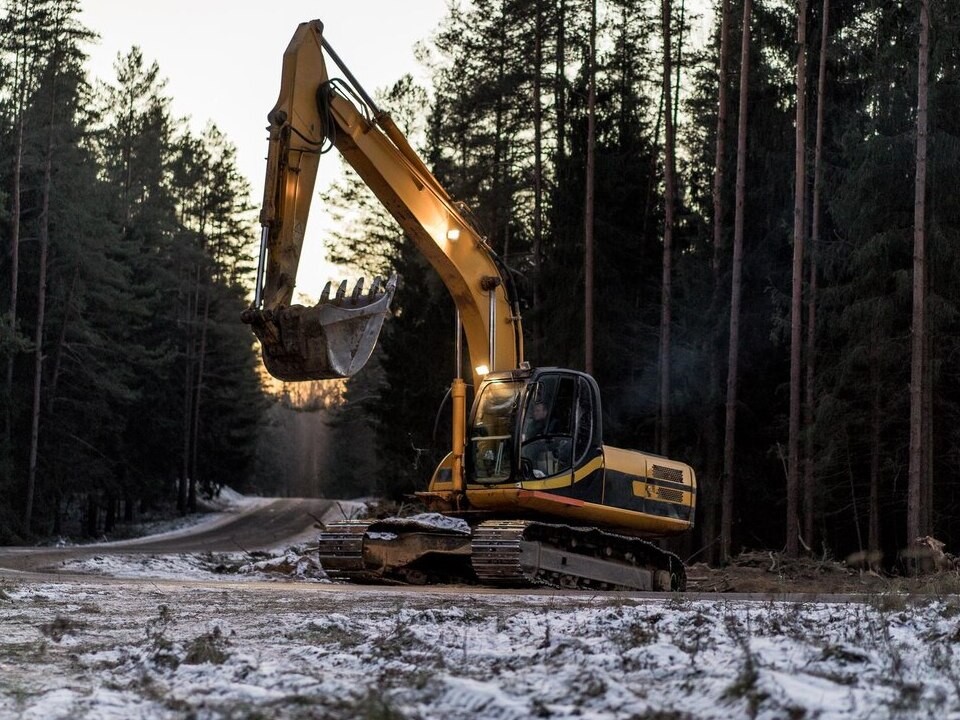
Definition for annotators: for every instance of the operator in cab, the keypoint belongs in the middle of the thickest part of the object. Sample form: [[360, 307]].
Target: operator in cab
[[544, 449], [537, 422]]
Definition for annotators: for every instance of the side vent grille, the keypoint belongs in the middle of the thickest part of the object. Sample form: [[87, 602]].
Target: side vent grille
[[665, 473], [670, 495]]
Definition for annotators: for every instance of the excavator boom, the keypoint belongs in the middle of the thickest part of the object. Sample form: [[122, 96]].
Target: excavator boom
[[312, 114]]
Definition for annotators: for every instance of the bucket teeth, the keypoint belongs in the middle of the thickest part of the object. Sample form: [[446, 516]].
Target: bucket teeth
[[357, 297]]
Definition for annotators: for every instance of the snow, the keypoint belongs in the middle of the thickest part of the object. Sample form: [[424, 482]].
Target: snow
[[440, 522], [155, 649], [423, 521], [234, 635], [181, 566]]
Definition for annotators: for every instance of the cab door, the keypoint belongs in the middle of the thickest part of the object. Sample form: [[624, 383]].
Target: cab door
[[546, 436], [559, 428], [490, 448]]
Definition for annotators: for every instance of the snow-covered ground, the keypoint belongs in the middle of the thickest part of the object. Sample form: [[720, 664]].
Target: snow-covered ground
[[294, 562], [157, 649], [254, 635]]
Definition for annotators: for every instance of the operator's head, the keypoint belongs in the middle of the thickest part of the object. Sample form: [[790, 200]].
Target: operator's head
[[539, 411]]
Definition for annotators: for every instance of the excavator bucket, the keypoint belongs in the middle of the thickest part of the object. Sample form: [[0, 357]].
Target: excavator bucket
[[332, 339]]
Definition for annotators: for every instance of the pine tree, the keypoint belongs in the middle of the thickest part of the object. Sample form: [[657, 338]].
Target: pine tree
[[809, 476], [796, 304], [670, 193], [726, 519], [917, 500]]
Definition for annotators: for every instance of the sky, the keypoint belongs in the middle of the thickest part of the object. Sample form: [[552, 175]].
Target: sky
[[221, 60]]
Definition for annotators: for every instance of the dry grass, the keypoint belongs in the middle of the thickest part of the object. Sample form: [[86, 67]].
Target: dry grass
[[771, 573], [207, 648], [61, 626]]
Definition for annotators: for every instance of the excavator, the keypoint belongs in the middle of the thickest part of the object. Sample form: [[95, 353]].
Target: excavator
[[528, 494]]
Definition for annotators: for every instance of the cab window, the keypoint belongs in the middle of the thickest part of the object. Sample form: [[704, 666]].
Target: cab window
[[491, 435], [547, 439], [583, 419]]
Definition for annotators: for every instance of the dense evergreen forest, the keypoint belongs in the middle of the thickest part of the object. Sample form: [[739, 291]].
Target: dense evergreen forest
[[744, 225], [127, 379]]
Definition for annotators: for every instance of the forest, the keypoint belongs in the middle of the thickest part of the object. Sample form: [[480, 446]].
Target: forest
[[127, 378], [740, 217]]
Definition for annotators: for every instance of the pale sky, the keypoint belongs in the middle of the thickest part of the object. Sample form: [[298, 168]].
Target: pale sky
[[222, 58]]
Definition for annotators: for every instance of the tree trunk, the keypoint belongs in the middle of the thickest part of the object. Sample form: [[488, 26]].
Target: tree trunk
[[14, 266], [198, 388], [711, 489], [796, 303], [44, 241], [809, 478], [588, 200], [183, 488], [678, 66], [876, 420], [926, 521], [560, 79], [851, 478], [501, 223], [720, 157], [22, 68], [61, 341], [651, 187], [666, 290], [110, 517], [537, 162], [726, 519], [916, 513], [93, 509], [57, 529], [38, 337]]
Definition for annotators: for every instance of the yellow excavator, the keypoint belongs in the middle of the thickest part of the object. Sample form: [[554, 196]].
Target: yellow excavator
[[528, 493]]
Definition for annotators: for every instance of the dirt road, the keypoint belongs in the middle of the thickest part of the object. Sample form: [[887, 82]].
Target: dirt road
[[262, 525]]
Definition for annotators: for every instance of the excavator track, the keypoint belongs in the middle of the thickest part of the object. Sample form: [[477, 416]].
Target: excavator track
[[341, 550], [501, 552], [531, 553], [395, 551]]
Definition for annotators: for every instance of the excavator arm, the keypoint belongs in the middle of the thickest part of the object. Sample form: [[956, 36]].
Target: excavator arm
[[335, 338]]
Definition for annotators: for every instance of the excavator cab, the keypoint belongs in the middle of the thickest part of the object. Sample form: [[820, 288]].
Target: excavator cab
[[542, 426]]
